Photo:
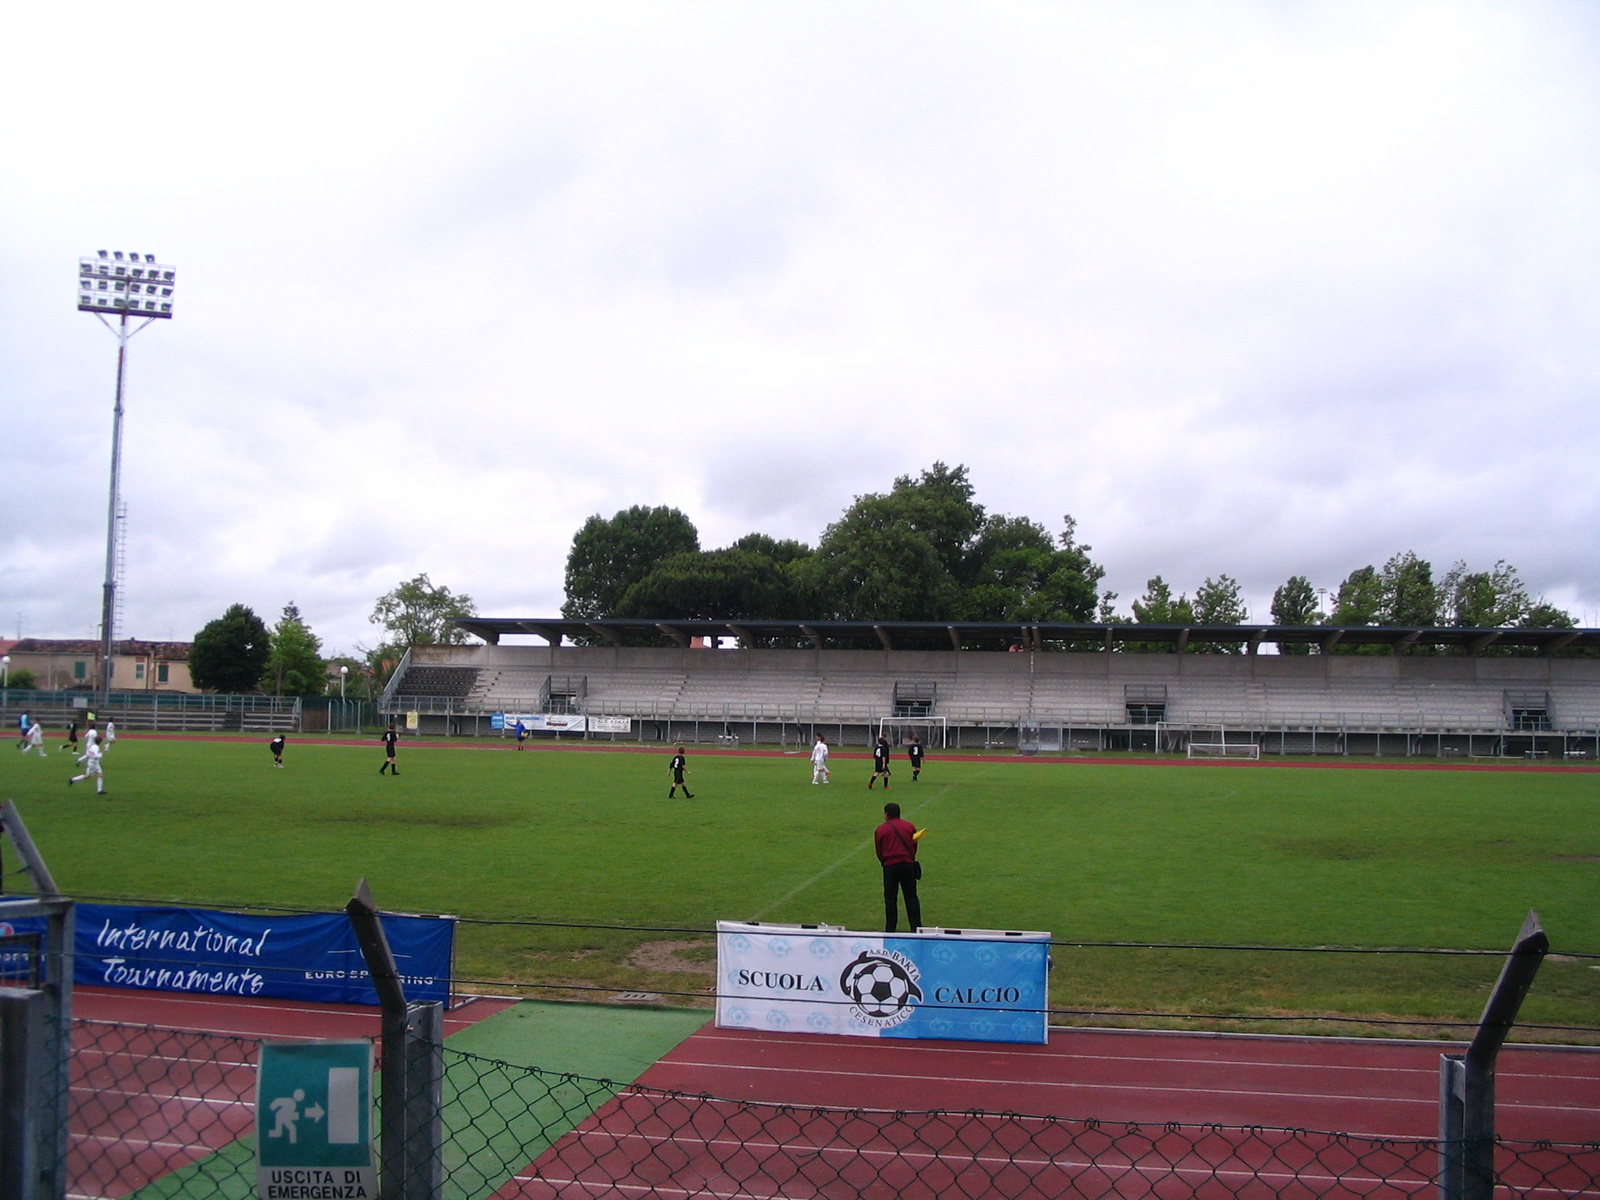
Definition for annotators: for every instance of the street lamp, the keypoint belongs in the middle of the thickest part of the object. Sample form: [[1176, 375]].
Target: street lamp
[[123, 286], [5, 668], [343, 671]]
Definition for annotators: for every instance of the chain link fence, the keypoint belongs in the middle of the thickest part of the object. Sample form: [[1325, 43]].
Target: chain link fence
[[161, 1113]]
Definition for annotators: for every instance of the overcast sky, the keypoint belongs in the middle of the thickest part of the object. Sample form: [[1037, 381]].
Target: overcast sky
[[1262, 289]]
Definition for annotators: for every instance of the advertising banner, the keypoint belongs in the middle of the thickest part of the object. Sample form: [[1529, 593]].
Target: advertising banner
[[312, 957], [610, 724], [966, 985], [563, 722]]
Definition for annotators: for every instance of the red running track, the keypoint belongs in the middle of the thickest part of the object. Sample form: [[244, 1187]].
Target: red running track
[[1132, 1083], [1362, 1086], [160, 1080]]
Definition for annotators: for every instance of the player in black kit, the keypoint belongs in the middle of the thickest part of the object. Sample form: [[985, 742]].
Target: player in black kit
[[880, 764], [914, 753], [390, 737], [678, 768], [276, 746]]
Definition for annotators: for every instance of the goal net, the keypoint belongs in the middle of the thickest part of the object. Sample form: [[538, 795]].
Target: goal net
[[1224, 750], [932, 732]]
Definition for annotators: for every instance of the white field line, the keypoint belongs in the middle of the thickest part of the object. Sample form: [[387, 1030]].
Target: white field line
[[933, 796]]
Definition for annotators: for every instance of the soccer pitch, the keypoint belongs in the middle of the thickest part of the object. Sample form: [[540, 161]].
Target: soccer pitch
[[1142, 853]]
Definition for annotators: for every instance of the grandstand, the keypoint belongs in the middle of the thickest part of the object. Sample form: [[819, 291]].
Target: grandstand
[[1073, 688]]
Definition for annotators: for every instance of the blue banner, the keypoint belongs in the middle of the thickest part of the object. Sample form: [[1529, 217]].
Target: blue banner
[[228, 954], [967, 985]]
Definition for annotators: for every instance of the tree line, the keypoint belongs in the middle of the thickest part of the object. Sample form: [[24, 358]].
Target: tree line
[[926, 550], [238, 653]]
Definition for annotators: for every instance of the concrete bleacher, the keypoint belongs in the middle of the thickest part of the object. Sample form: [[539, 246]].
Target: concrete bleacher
[[1379, 693]]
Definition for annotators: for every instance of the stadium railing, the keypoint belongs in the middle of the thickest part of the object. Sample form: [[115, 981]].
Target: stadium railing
[[172, 711]]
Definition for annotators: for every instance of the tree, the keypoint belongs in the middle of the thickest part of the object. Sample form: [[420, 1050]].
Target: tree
[[1359, 599], [713, 585], [230, 653], [873, 565], [417, 613], [294, 663], [1409, 596], [1295, 603], [1157, 607], [610, 556], [357, 678], [22, 680], [1217, 602], [1020, 575], [1494, 599]]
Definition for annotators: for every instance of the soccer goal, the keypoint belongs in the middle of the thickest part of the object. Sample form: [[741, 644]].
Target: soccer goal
[[1224, 750], [933, 732]]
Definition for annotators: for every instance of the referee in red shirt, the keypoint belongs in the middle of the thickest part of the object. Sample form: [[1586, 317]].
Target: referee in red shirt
[[897, 851]]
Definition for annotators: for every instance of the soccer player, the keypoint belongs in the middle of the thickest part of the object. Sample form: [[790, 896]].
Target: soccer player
[[277, 750], [819, 760], [390, 737], [679, 768], [72, 738], [111, 736], [22, 730], [90, 758], [522, 734], [914, 753], [880, 763], [896, 843], [35, 739]]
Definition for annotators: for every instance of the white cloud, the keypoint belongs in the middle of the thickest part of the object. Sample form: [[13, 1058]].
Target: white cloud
[[1256, 288]]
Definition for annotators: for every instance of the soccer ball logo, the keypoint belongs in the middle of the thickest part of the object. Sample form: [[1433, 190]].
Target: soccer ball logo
[[880, 987]]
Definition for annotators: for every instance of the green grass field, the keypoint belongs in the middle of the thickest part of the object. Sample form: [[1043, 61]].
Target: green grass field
[[1257, 855]]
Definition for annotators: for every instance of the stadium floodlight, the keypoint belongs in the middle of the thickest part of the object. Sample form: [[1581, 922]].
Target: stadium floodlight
[[123, 286], [343, 672], [5, 666]]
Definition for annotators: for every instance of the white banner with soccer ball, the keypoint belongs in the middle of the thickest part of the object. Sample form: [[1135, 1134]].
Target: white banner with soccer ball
[[966, 984]]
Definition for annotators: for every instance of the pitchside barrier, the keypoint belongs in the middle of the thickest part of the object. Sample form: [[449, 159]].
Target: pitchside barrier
[[301, 957], [980, 985]]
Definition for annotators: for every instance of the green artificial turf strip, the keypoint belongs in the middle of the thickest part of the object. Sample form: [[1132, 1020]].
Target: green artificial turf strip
[[594, 1040], [1255, 854]]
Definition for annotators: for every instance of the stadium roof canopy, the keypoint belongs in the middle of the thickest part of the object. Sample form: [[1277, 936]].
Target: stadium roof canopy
[[987, 635]]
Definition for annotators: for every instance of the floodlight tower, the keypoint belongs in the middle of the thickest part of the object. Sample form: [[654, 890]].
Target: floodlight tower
[[131, 285]]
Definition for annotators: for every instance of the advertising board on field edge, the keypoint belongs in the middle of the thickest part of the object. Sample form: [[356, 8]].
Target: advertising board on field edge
[[983, 985], [298, 956]]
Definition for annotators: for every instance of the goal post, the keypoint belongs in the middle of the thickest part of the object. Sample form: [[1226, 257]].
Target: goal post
[[1249, 750], [934, 731]]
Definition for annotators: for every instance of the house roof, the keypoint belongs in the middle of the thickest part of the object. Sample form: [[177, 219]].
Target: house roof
[[127, 647]]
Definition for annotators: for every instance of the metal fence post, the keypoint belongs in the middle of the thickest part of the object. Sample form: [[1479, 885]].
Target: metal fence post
[[1466, 1082], [424, 1147], [24, 1099], [375, 950]]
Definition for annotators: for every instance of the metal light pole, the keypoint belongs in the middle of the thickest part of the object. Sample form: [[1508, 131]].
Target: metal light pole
[[132, 285], [5, 667], [343, 672]]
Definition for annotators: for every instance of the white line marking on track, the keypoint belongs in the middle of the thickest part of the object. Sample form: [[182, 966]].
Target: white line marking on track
[[1428, 1102]]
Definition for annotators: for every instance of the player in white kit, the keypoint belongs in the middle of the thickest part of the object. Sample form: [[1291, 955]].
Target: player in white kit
[[90, 758], [819, 760], [35, 739]]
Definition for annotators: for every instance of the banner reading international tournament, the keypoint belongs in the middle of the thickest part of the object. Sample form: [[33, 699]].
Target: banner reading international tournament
[[313, 957], [561, 723], [974, 984]]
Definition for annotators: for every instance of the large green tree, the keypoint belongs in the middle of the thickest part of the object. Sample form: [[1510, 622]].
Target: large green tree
[[230, 654], [1295, 603], [294, 663], [609, 556], [1409, 594], [715, 585], [1218, 602], [1017, 573], [418, 613]]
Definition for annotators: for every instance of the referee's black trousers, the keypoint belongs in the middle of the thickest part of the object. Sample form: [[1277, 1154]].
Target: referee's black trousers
[[901, 876]]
